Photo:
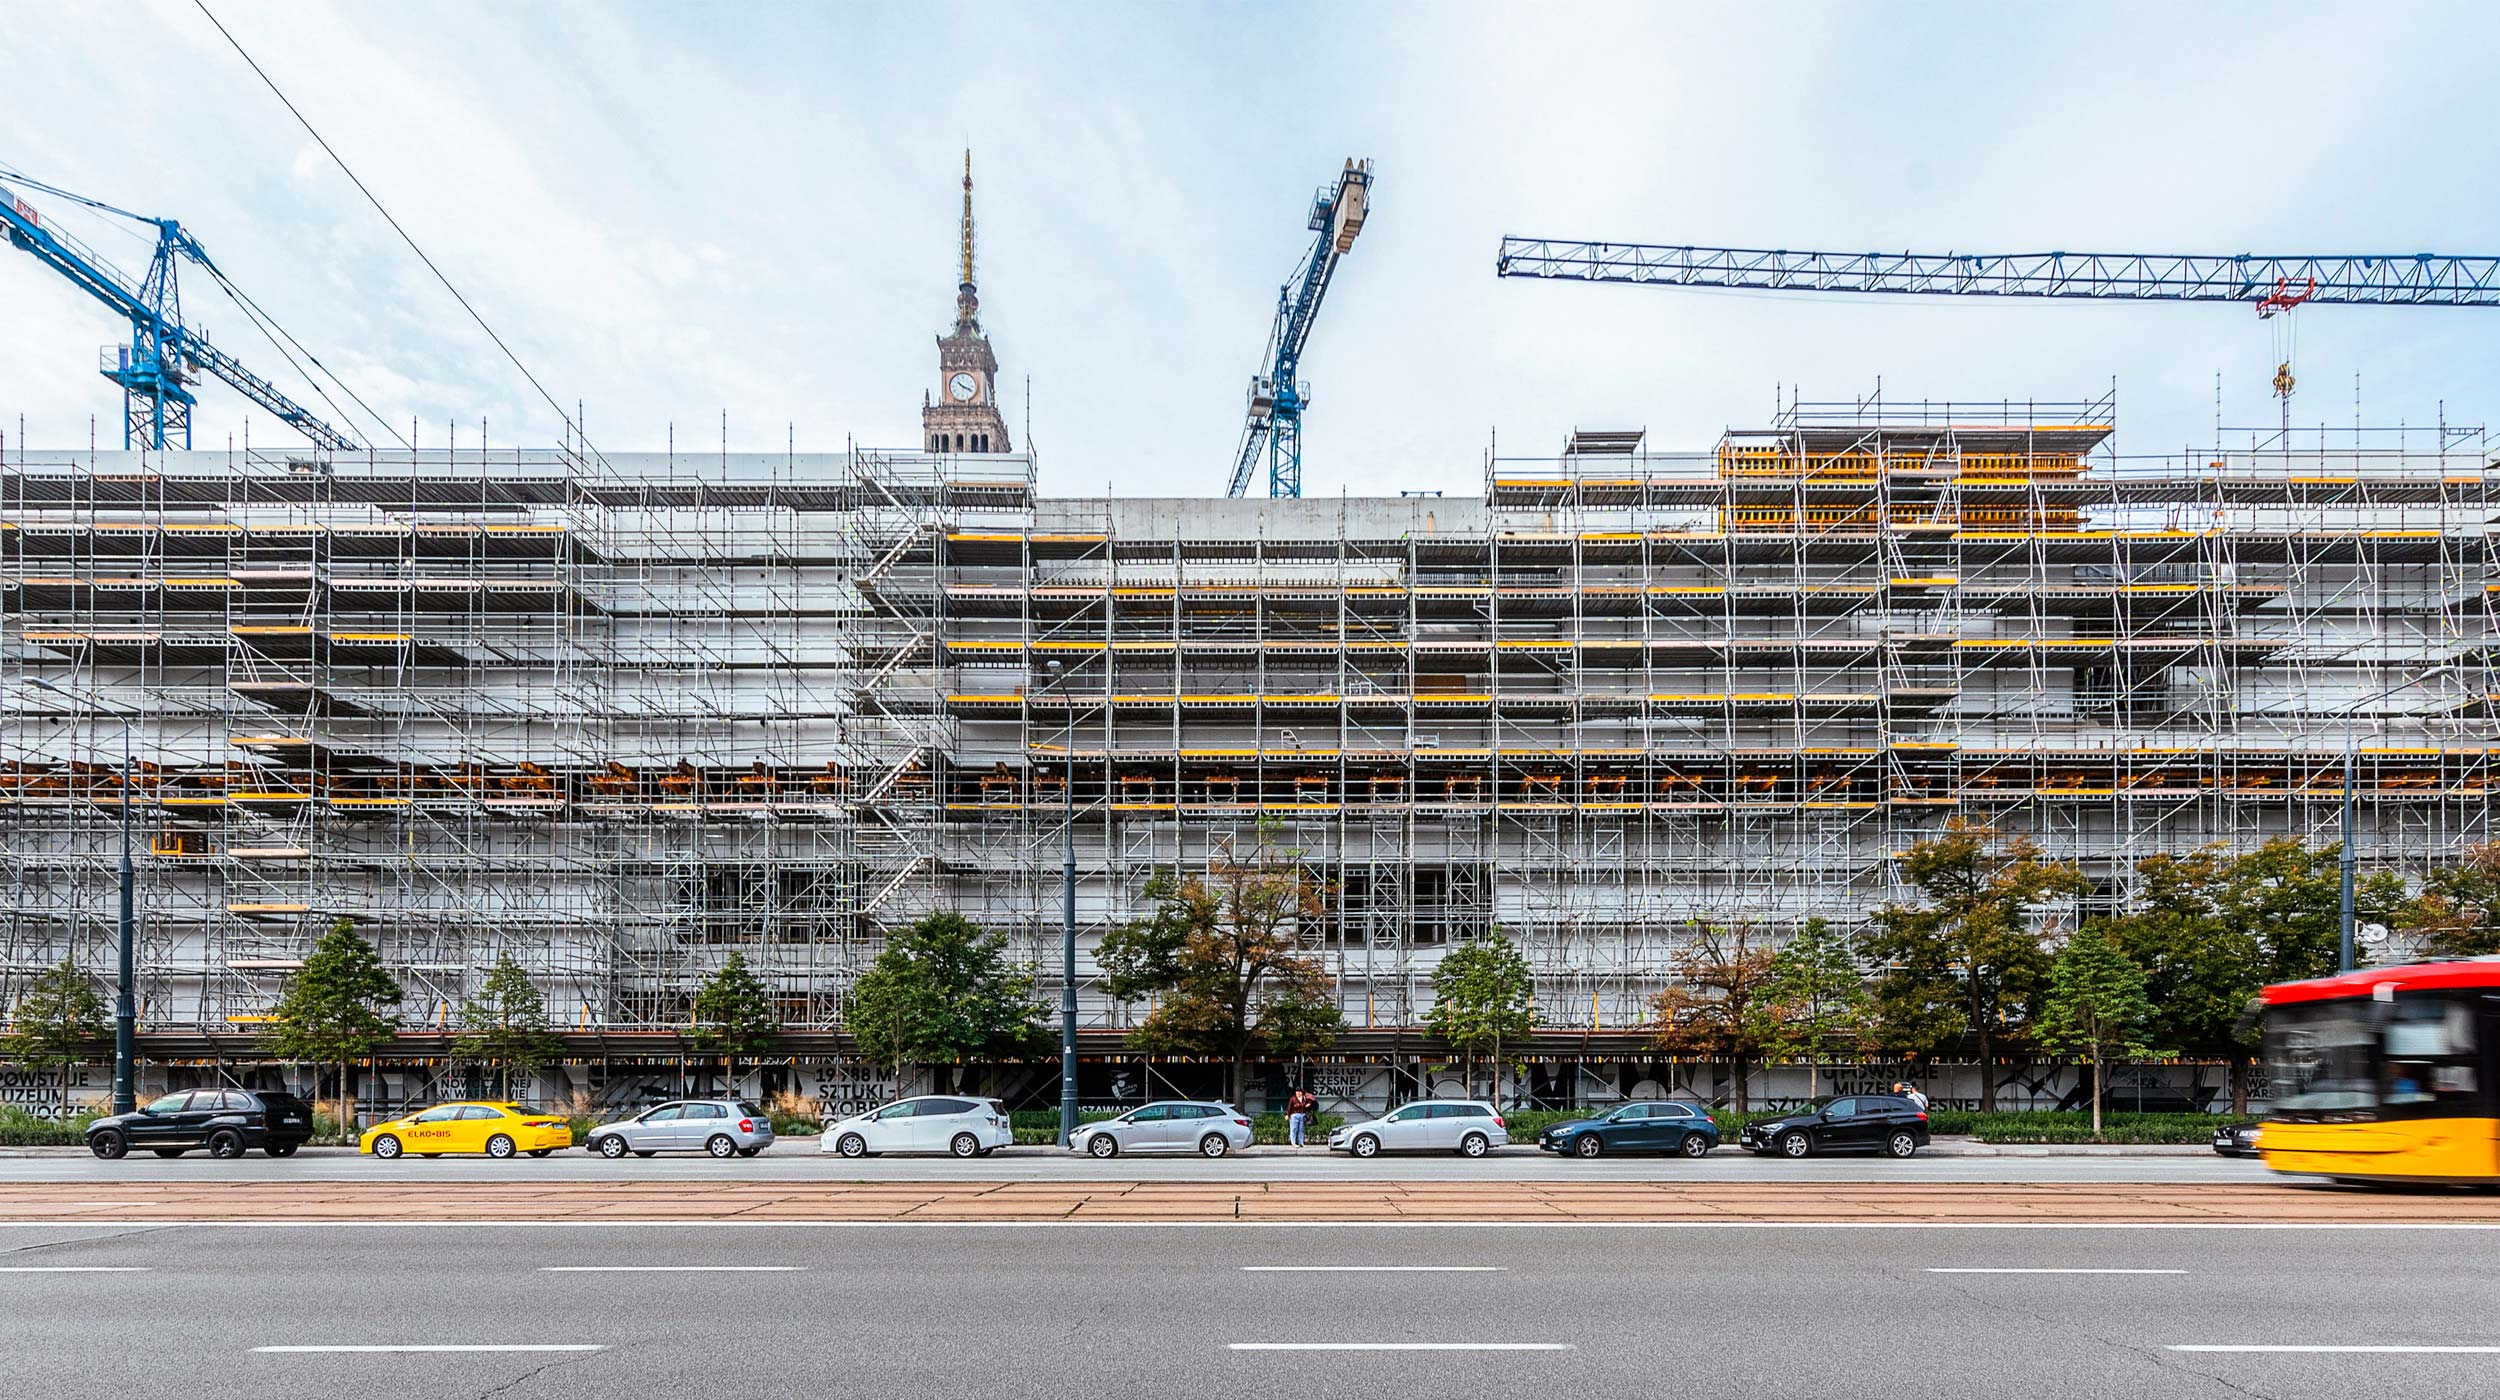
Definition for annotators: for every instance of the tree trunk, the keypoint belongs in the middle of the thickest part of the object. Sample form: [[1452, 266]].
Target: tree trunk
[[2097, 1078], [2239, 1086], [1239, 1100], [1987, 1071], [1744, 1103], [65, 1064]]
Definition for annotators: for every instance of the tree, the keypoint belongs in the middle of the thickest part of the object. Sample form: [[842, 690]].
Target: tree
[[57, 1018], [733, 1014], [1222, 956], [941, 993], [1718, 1006], [2095, 1007], [1817, 996], [2457, 914], [1967, 961], [331, 1011], [1482, 994], [505, 1025]]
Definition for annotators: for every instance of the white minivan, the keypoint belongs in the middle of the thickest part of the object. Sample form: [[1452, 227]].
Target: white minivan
[[1468, 1127], [958, 1127]]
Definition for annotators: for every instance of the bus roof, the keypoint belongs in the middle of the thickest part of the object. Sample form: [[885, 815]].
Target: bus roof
[[2408, 977]]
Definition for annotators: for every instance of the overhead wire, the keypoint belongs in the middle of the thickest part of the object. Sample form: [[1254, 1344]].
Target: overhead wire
[[349, 171]]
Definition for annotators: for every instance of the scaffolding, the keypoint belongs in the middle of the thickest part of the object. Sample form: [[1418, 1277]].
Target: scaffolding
[[622, 717]]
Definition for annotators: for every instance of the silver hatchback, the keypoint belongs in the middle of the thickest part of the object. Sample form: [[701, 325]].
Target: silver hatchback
[[714, 1127], [1208, 1129], [1468, 1127]]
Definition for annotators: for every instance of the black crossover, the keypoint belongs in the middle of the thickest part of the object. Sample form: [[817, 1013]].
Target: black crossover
[[226, 1122], [1882, 1123]]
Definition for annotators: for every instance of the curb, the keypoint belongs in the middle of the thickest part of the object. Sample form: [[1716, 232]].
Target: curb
[[1936, 1149]]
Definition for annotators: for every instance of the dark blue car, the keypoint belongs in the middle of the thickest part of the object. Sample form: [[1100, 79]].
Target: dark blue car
[[1681, 1128]]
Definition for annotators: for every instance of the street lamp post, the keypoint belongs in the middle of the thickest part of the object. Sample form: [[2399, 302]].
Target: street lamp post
[[1067, 922], [2349, 863], [125, 997]]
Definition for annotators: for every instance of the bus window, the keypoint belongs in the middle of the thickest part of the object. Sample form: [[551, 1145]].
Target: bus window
[[2430, 1053], [2322, 1057]]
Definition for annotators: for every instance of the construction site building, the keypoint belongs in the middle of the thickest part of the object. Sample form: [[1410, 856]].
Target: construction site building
[[621, 717]]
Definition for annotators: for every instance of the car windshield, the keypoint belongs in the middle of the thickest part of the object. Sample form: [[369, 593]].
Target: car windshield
[[2350, 1056]]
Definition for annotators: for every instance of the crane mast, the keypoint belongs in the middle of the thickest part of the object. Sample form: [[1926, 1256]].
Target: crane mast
[[164, 356], [1277, 393]]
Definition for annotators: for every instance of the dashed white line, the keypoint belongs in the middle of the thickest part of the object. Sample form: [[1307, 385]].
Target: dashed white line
[[2307, 1350], [73, 1269], [368, 1350], [1401, 1346], [1375, 1268], [2057, 1271], [672, 1268]]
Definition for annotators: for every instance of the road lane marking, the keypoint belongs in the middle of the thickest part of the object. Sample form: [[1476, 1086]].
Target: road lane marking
[[73, 1269], [672, 1268], [1375, 1268], [2057, 1271], [2353, 1350], [1401, 1346], [368, 1350], [1406, 1223]]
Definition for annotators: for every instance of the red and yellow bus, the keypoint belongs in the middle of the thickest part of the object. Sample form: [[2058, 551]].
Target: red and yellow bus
[[2387, 1074]]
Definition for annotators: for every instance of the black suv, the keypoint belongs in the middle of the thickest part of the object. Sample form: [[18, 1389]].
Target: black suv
[[1882, 1123], [228, 1122]]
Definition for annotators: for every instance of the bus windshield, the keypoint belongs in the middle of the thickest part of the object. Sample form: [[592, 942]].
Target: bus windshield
[[2366, 1058]]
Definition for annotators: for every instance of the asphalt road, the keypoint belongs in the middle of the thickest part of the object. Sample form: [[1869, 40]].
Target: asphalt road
[[799, 1161], [942, 1311]]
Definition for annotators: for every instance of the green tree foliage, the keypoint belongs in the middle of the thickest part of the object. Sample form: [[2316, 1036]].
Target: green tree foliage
[[57, 1018], [1719, 1005], [1817, 996], [333, 1010], [944, 992], [1966, 963], [2096, 1006], [2457, 914], [1222, 957], [733, 1013], [1482, 995], [505, 1025]]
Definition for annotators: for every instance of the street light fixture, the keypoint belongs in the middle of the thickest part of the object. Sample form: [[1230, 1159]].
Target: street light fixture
[[1067, 920], [2349, 863], [125, 1001]]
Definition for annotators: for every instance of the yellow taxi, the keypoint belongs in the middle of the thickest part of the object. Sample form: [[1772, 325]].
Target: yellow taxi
[[496, 1129]]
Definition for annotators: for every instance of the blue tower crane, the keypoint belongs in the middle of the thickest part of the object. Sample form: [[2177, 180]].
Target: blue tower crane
[[1277, 395], [164, 356]]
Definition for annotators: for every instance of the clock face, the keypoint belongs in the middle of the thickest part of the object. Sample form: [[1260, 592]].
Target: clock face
[[963, 387]]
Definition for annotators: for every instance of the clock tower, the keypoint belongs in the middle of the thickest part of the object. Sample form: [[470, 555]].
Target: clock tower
[[963, 415]]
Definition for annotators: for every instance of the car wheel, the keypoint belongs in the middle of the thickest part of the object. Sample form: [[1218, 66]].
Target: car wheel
[[1214, 1145], [1474, 1145], [540, 1151], [1589, 1145], [721, 1145], [852, 1145], [1795, 1145], [225, 1145], [169, 1151], [751, 1151], [1365, 1145], [499, 1147], [386, 1147], [109, 1145], [610, 1147], [1694, 1145], [281, 1149], [964, 1145], [1900, 1145], [1102, 1145]]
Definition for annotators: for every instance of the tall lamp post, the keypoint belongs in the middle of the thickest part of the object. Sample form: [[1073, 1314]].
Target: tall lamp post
[[125, 1000], [2350, 862], [1067, 922]]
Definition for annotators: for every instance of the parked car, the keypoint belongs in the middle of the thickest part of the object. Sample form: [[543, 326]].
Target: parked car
[[497, 1129], [959, 1127], [1208, 1129], [1636, 1127], [228, 1122], [1468, 1127], [2236, 1139], [1882, 1123], [715, 1127]]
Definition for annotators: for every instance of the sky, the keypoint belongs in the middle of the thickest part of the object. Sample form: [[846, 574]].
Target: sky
[[686, 215]]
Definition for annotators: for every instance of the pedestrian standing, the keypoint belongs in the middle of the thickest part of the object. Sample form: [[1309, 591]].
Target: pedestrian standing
[[1911, 1093], [1298, 1108]]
